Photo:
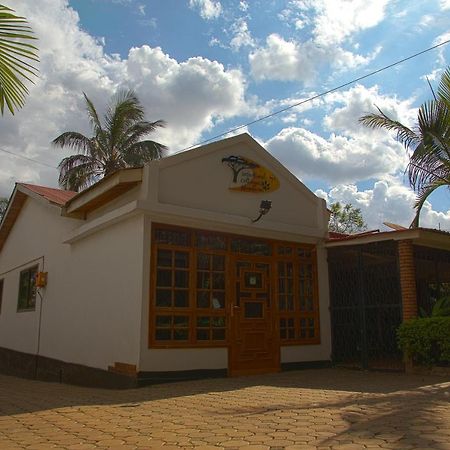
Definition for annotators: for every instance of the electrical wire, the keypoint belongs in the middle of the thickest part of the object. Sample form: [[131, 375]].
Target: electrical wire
[[28, 159], [275, 113], [314, 97]]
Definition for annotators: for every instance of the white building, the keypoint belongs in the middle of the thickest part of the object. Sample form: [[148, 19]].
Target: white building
[[164, 272]]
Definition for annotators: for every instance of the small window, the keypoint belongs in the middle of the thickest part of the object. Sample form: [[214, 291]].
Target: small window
[[1, 295], [27, 290]]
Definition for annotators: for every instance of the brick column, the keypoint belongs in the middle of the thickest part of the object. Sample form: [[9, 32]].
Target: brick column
[[407, 279]]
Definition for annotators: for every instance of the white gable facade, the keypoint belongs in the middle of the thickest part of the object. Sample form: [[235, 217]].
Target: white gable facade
[[164, 272]]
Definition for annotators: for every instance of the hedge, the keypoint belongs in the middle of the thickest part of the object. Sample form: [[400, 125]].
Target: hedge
[[426, 340]]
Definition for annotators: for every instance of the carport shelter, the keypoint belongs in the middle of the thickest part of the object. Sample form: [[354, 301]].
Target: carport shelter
[[376, 281]]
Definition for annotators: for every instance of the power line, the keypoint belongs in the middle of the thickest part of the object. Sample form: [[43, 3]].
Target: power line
[[28, 159], [275, 113], [314, 97]]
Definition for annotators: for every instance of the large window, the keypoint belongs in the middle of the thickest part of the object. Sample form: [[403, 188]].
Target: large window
[[27, 290], [297, 295], [192, 292], [188, 292]]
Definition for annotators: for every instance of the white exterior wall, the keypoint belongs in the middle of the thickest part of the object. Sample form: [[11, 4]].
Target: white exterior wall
[[192, 190], [91, 307], [96, 304]]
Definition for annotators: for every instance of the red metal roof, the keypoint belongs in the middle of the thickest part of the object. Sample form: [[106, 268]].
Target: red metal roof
[[337, 235], [57, 196]]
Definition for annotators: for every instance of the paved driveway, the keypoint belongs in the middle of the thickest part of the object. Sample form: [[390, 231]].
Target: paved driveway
[[327, 408]]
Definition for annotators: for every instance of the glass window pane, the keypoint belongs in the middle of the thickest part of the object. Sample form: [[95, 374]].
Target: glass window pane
[[181, 299], [218, 262], [173, 237], [203, 335], [203, 280], [164, 258], [163, 321], [291, 333], [290, 285], [203, 321], [202, 299], [253, 310], [281, 269], [181, 321], [218, 334], [290, 303], [281, 285], [181, 278], [180, 334], [24, 285], [218, 300], [282, 302], [212, 241], [251, 247], [163, 335], [181, 259], [163, 298], [283, 333], [218, 322], [203, 261], [163, 278], [289, 269], [218, 280]]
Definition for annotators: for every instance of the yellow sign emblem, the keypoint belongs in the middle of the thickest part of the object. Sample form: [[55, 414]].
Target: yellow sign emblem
[[249, 176]]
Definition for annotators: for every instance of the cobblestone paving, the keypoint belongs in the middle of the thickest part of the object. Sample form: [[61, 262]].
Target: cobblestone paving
[[325, 409]]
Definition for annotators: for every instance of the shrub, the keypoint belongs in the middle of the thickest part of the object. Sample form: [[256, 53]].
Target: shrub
[[426, 340]]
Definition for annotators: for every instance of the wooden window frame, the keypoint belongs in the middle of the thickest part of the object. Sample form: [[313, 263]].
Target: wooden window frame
[[31, 293], [193, 312]]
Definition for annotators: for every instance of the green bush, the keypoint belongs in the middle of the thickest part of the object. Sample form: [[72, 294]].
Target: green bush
[[426, 340]]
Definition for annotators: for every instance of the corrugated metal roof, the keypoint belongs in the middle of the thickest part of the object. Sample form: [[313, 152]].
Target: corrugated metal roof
[[57, 196]]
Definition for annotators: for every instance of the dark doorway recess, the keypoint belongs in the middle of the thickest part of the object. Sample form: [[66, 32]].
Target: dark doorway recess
[[366, 305]]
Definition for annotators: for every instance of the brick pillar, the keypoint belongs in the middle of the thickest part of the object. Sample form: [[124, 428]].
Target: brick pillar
[[407, 279]]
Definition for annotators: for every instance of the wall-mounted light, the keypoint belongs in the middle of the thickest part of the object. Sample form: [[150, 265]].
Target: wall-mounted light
[[264, 208]]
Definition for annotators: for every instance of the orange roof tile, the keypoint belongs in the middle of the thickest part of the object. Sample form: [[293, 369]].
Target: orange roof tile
[[58, 196]]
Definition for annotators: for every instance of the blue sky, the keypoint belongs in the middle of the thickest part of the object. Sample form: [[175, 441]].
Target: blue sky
[[206, 66]]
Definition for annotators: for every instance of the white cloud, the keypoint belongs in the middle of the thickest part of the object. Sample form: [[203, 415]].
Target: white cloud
[[387, 201], [141, 9], [359, 101], [445, 4], [241, 35], [338, 159], [336, 20], [190, 95], [209, 9], [243, 5], [290, 60]]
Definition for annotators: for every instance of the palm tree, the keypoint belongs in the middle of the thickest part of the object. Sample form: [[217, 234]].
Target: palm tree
[[14, 52], [115, 145], [428, 142]]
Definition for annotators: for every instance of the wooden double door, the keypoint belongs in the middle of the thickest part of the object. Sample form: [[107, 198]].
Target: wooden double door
[[254, 344]]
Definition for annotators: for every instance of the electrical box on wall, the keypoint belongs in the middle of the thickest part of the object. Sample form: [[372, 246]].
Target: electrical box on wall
[[41, 279]]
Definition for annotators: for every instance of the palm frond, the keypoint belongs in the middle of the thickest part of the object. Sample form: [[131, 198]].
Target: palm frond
[[78, 172], [74, 140], [431, 159], [15, 51], [405, 135], [93, 115], [423, 196], [444, 86], [143, 152], [138, 131], [124, 111]]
